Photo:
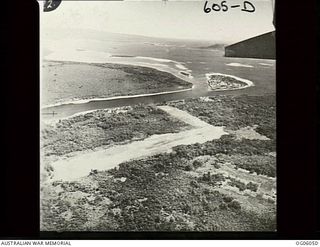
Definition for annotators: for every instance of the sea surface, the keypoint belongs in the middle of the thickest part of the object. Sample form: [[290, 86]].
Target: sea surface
[[186, 59]]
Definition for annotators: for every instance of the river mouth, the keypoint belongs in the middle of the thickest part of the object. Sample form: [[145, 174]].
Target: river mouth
[[194, 68], [217, 84], [77, 105], [66, 110]]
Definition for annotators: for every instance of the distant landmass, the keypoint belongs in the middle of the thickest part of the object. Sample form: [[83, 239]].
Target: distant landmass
[[79, 33], [214, 47]]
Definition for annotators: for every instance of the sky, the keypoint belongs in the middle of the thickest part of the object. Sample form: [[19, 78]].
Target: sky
[[170, 19]]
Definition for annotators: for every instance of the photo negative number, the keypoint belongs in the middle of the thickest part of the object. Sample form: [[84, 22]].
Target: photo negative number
[[50, 5]]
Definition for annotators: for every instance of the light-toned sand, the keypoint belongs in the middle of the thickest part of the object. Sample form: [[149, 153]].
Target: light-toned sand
[[248, 133], [239, 65], [81, 165], [83, 101], [266, 64], [185, 117]]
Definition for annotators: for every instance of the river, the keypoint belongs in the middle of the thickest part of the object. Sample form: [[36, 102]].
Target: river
[[181, 58]]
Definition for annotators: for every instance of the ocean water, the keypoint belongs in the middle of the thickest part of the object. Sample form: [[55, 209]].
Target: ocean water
[[173, 55], [187, 59]]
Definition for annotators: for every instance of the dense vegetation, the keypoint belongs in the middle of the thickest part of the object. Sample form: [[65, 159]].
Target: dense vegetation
[[154, 194], [235, 112], [247, 154], [214, 186], [147, 76], [224, 82]]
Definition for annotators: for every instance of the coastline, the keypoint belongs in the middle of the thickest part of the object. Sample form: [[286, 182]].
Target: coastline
[[246, 81], [187, 79], [103, 58], [87, 100]]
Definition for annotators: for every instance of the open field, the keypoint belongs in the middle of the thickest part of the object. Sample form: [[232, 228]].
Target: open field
[[69, 81], [224, 184]]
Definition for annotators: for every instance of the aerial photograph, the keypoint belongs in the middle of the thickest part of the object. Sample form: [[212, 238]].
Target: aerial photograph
[[158, 116]]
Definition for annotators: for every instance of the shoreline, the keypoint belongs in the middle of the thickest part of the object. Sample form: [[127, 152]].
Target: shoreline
[[88, 100], [84, 101], [103, 58], [187, 78], [246, 81]]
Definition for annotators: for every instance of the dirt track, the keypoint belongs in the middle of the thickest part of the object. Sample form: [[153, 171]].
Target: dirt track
[[81, 165]]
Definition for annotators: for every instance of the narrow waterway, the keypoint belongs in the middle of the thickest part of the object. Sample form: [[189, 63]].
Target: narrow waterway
[[261, 76], [69, 109]]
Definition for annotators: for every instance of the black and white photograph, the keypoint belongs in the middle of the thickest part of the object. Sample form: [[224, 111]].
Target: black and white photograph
[[158, 116]]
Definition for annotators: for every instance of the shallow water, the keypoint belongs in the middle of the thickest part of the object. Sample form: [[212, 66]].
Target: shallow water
[[173, 56]]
